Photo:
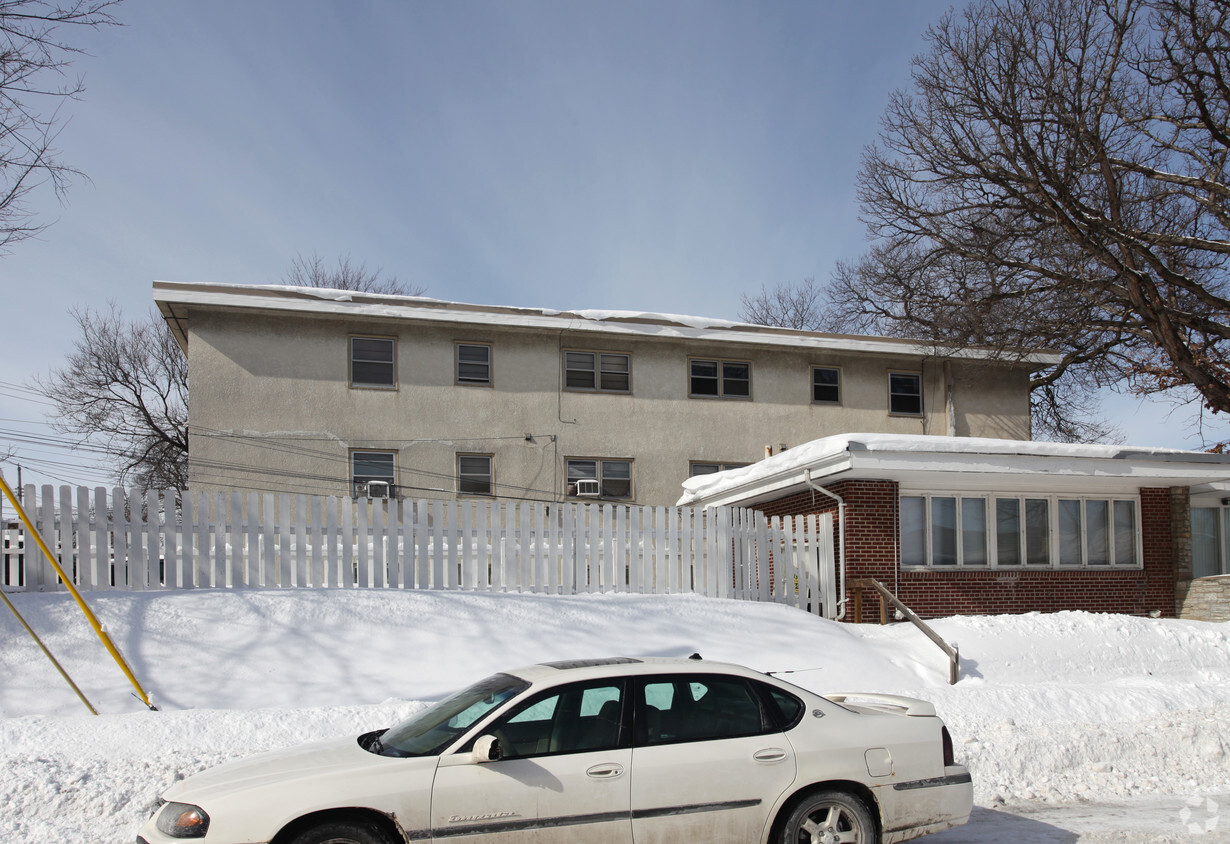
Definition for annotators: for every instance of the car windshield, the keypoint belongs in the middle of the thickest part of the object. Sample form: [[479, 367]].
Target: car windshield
[[433, 729]]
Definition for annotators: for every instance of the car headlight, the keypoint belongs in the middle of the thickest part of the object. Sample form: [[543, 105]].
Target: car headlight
[[183, 820]]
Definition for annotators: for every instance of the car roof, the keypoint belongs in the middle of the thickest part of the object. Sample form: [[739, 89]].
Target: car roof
[[567, 671]]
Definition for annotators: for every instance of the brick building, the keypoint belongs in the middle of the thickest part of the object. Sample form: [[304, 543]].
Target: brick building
[[972, 526]]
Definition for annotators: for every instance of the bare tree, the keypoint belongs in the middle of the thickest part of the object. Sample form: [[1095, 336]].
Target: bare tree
[[788, 305], [34, 84], [1057, 177], [312, 272], [125, 387]]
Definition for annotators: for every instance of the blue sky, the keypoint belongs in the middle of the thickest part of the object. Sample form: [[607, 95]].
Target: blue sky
[[662, 156]]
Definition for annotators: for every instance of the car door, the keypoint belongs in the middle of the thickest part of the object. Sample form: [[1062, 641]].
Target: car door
[[564, 773], [709, 761]]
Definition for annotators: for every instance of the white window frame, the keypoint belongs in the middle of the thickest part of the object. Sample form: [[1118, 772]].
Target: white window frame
[[1053, 540], [597, 370], [1221, 520]]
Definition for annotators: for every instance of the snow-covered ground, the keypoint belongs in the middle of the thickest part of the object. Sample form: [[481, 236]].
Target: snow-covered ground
[[1075, 726]]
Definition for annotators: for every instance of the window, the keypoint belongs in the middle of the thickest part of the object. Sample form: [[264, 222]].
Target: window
[[599, 371], [473, 364], [475, 474], [697, 467], [905, 393], [368, 466], [575, 719], [725, 379], [978, 531], [372, 362], [614, 476], [1210, 535], [699, 708], [825, 385]]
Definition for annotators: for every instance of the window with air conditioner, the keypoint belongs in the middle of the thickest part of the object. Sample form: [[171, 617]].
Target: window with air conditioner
[[372, 472], [613, 477]]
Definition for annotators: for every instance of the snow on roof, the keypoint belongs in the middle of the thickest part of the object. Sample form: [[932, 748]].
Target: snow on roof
[[169, 294], [936, 454]]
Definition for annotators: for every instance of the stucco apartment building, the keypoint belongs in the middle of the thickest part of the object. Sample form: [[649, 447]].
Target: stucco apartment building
[[333, 393]]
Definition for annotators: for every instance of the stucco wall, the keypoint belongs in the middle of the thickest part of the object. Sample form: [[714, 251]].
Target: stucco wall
[[872, 541], [271, 408]]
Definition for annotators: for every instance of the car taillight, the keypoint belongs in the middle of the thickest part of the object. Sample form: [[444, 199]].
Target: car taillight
[[947, 739]]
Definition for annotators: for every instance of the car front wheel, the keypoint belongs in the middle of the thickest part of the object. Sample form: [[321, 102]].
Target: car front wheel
[[829, 817], [342, 832]]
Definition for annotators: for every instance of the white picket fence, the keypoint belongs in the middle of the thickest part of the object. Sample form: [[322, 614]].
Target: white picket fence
[[122, 540]]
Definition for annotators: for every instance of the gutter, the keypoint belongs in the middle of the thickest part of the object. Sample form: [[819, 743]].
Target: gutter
[[841, 536]]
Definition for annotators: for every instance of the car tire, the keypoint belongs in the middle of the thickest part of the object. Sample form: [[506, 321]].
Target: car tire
[[829, 817], [342, 832]]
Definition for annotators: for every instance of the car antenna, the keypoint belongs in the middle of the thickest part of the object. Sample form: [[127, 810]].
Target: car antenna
[[694, 656]]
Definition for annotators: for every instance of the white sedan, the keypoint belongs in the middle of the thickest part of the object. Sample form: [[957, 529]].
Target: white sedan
[[607, 750]]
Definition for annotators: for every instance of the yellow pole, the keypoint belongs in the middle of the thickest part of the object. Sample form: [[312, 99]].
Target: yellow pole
[[54, 661], [103, 636]]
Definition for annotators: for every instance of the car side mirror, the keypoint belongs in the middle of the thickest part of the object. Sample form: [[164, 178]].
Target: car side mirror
[[487, 749]]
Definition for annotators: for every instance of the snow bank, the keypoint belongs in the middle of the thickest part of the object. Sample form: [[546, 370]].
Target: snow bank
[[1050, 709]]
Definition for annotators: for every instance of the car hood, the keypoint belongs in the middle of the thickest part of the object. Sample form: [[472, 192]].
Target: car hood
[[337, 760]]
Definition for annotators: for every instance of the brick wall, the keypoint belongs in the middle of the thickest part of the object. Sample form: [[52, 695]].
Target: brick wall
[[871, 539]]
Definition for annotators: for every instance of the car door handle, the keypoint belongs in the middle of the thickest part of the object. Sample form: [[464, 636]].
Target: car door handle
[[605, 771], [769, 754]]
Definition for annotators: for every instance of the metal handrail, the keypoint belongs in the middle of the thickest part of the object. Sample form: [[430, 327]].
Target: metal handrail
[[950, 649]]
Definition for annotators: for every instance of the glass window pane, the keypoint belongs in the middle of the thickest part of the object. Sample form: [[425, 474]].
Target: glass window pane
[[372, 466], [943, 531], [705, 469], [913, 531], [974, 531], [1205, 544], [474, 364], [1037, 532], [905, 394], [825, 385], [1125, 533], [704, 378], [474, 474], [371, 361], [1069, 532], [1097, 532], [582, 469], [616, 479], [1008, 531], [736, 379], [579, 370], [616, 373]]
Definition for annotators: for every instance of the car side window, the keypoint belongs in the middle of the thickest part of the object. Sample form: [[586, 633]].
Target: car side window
[[572, 719], [698, 708], [787, 707]]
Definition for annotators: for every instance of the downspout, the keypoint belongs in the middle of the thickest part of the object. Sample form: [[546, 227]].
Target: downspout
[[841, 536]]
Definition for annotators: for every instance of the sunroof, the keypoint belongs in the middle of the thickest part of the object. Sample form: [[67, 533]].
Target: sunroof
[[587, 663]]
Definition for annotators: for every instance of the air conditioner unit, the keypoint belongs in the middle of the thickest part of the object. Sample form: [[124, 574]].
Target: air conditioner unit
[[588, 488], [378, 489]]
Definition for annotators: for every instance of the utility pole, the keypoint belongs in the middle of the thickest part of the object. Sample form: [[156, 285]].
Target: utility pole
[[19, 486]]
